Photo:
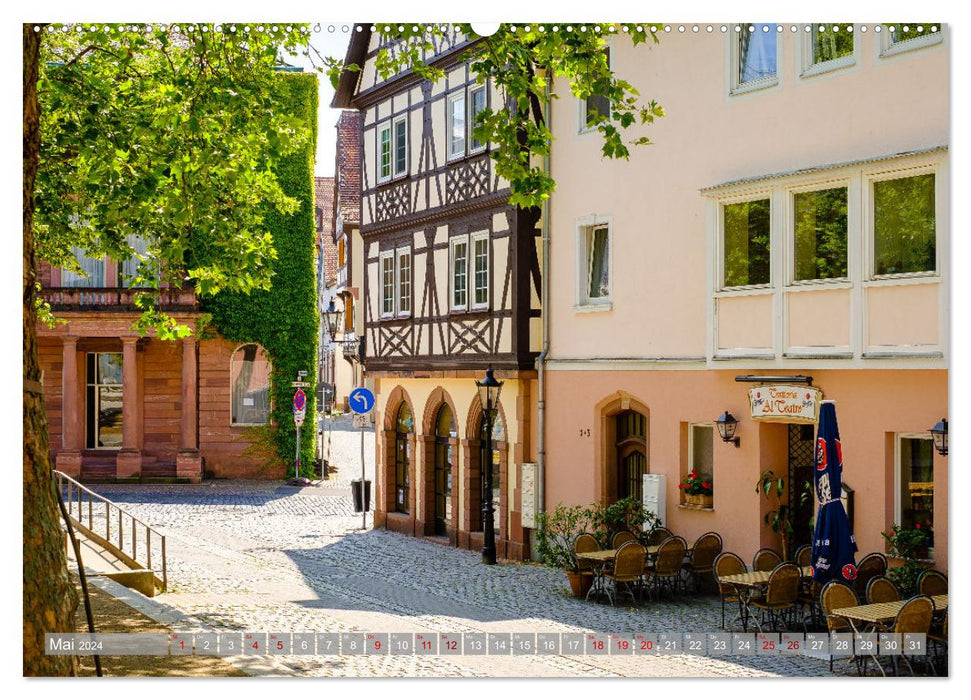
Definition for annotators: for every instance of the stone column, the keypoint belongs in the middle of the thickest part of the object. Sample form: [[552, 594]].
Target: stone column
[[129, 463], [188, 463], [68, 459]]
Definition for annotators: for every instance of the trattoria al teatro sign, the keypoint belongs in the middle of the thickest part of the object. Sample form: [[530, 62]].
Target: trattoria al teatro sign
[[781, 403]]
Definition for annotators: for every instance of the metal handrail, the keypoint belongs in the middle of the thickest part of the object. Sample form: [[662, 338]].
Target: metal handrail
[[74, 500]]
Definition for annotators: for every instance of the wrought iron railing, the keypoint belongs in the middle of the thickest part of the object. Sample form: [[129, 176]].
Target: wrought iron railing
[[133, 541]]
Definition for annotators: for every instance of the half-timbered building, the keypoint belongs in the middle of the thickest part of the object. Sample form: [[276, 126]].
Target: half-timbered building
[[450, 287]]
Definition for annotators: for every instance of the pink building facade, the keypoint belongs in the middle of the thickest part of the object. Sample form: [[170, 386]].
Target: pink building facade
[[790, 220]]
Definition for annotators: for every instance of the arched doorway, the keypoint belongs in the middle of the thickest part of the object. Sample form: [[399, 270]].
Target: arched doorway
[[631, 450], [444, 460], [404, 424]]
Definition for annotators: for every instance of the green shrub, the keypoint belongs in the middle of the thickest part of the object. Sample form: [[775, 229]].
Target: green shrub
[[910, 545]]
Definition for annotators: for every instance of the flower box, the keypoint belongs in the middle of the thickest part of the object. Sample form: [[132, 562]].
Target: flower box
[[698, 500]]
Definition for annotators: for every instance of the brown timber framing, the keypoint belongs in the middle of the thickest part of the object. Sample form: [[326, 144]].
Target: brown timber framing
[[433, 339]]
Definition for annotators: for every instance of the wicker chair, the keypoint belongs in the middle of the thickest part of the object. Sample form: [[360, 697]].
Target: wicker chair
[[932, 582], [622, 537], [870, 566], [938, 635], [703, 554], [780, 595], [836, 595], [727, 564], [914, 618], [628, 568], [666, 569], [881, 590], [803, 556], [658, 535], [582, 544], [766, 560]]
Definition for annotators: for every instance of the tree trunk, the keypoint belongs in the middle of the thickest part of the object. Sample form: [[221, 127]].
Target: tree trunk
[[49, 596]]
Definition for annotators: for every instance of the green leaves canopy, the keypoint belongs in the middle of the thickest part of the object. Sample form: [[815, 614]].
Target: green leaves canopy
[[171, 134], [524, 66]]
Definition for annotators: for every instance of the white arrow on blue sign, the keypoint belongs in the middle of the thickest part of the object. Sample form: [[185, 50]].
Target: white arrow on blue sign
[[361, 400]]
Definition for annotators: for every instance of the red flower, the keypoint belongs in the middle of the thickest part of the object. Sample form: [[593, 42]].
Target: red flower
[[917, 526], [692, 475], [706, 484], [680, 486]]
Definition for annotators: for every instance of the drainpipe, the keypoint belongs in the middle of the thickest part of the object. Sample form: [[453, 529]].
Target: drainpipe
[[545, 324]]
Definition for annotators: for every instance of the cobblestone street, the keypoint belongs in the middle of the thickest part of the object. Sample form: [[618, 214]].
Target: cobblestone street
[[265, 557]]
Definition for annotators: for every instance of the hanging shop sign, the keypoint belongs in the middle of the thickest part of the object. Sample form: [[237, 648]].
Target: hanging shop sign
[[781, 403]]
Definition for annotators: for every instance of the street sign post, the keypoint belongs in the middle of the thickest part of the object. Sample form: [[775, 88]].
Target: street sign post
[[299, 413], [362, 401]]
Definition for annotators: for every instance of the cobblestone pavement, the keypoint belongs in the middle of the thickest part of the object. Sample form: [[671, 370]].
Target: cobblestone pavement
[[257, 556]]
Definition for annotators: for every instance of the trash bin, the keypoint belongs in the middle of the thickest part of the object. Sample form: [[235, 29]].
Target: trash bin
[[356, 493]]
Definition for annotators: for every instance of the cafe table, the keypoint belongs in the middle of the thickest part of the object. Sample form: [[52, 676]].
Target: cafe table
[[747, 585], [875, 617]]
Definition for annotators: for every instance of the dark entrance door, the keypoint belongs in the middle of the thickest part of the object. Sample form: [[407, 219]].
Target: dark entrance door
[[444, 430], [801, 463]]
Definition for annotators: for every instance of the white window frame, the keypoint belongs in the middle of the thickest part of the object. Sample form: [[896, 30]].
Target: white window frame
[[582, 126], [395, 173], [382, 258], [691, 451], [469, 123], [897, 480], [736, 87], [472, 288], [584, 232], [453, 242], [399, 254], [869, 231], [790, 239], [385, 126], [810, 69], [888, 47], [450, 124], [750, 196]]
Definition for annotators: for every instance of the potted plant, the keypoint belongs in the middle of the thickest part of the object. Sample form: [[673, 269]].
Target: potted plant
[[554, 543], [909, 547], [627, 514], [698, 490], [779, 518]]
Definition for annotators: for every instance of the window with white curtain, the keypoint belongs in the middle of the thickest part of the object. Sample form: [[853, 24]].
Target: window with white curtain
[[250, 386], [129, 267], [94, 271]]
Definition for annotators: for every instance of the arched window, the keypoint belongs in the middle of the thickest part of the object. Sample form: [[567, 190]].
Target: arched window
[[486, 460], [631, 453], [444, 459], [249, 371], [402, 457]]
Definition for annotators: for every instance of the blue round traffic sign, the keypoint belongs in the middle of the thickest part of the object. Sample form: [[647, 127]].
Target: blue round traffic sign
[[361, 400], [299, 400]]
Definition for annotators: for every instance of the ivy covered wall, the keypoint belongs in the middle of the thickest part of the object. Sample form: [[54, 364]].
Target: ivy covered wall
[[284, 319]]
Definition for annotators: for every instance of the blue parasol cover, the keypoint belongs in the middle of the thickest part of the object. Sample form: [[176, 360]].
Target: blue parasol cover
[[833, 544]]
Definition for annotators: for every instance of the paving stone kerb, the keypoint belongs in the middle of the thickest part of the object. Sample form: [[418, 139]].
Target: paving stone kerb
[[257, 556]]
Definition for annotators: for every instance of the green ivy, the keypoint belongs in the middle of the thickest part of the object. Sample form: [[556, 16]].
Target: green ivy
[[284, 319]]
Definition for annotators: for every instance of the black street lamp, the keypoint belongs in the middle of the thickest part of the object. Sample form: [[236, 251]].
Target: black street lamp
[[332, 318], [489, 390], [727, 424], [939, 433]]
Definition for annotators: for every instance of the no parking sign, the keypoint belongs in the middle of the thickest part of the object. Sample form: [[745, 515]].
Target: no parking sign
[[299, 407]]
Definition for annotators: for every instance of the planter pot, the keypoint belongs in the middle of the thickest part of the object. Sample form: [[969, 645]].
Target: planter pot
[[580, 582], [698, 501]]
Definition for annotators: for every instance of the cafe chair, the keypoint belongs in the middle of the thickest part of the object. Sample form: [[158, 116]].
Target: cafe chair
[[914, 618], [881, 590], [628, 568], [582, 544], [932, 583], [870, 566], [658, 535], [766, 559], [938, 636], [620, 538], [779, 599], [703, 553], [666, 569], [803, 556], [836, 595], [728, 564]]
